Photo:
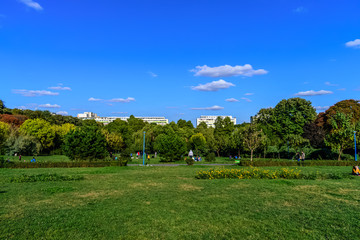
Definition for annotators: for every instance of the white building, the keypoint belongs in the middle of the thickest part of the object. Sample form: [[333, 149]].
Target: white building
[[210, 120], [106, 120], [87, 115]]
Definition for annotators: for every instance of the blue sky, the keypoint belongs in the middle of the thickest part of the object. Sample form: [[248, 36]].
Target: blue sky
[[178, 59]]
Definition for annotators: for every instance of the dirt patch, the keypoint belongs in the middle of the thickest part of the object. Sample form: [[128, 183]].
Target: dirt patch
[[189, 187]]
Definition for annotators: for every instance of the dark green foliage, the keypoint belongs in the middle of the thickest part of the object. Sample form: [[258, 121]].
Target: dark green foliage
[[44, 178], [170, 147], [121, 162], [85, 143], [189, 161], [210, 157], [278, 163]]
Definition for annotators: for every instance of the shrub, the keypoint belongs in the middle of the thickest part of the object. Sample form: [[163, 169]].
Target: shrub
[[210, 157], [256, 173], [170, 147], [190, 161]]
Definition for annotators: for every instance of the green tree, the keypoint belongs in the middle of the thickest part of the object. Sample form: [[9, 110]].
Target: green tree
[[341, 134], [41, 130], [114, 141], [24, 145], [290, 116], [198, 141], [252, 138], [85, 143], [4, 134], [2, 106], [170, 147]]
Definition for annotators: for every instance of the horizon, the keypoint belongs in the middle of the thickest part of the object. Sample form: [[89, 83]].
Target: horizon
[[178, 60]]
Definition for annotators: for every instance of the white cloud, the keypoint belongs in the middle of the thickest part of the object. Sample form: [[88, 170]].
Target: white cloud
[[122, 100], [64, 113], [153, 74], [34, 93], [48, 105], [321, 108], [94, 99], [246, 99], [227, 71], [119, 112], [231, 100], [313, 93], [213, 108], [32, 4], [300, 9], [353, 44], [213, 86], [331, 84], [60, 88], [248, 94]]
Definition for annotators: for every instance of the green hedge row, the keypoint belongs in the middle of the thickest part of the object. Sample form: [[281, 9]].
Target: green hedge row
[[5, 164], [289, 163]]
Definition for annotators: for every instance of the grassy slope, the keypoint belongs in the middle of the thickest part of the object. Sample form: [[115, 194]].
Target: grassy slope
[[168, 203]]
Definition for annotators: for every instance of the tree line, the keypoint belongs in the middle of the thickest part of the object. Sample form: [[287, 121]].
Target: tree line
[[291, 126]]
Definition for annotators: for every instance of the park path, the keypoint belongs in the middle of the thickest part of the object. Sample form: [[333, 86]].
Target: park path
[[176, 165]]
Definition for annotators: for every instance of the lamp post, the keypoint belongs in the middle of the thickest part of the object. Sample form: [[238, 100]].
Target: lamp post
[[355, 145], [144, 150]]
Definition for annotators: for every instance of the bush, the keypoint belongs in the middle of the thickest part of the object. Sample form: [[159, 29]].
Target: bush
[[256, 173], [210, 157], [170, 147], [190, 161], [268, 163]]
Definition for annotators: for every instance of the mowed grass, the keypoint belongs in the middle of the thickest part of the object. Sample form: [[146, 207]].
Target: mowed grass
[[169, 203]]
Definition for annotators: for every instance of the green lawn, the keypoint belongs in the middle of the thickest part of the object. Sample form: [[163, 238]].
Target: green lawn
[[169, 203]]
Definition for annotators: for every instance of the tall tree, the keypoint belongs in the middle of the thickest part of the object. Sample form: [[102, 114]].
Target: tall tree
[[291, 115], [341, 134], [41, 130]]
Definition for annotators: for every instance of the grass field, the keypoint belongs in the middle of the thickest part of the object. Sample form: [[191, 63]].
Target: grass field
[[169, 203]]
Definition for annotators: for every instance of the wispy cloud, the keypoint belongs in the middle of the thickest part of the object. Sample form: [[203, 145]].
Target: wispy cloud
[[48, 105], [341, 89], [331, 84], [64, 113], [227, 71], [122, 100], [152, 74], [60, 88], [353, 44], [94, 99], [301, 9], [34, 93], [213, 108], [213, 86], [248, 94], [313, 93], [119, 112], [231, 100], [321, 108], [246, 99], [32, 4]]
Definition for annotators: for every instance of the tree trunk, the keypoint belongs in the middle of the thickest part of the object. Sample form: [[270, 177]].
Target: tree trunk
[[218, 153], [251, 156], [340, 152], [278, 155], [238, 152]]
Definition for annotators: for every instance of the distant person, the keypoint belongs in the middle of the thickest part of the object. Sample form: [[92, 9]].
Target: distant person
[[20, 157], [302, 156], [297, 156], [33, 159], [356, 171], [148, 158]]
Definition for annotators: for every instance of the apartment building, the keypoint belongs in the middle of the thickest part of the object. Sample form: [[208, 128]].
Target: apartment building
[[210, 120]]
